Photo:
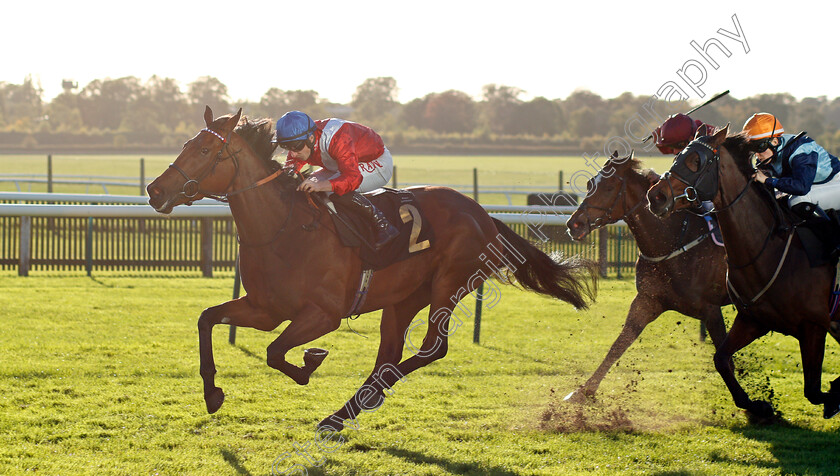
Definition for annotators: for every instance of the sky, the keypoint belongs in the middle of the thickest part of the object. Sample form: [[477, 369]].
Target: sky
[[546, 48]]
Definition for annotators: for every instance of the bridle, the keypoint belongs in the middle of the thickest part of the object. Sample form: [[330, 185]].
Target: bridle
[[701, 185], [602, 220], [192, 187], [709, 164]]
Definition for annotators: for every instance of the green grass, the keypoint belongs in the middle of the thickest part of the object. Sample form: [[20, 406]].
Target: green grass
[[100, 376], [508, 171]]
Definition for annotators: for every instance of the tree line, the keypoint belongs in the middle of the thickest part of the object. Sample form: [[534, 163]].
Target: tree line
[[160, 114]]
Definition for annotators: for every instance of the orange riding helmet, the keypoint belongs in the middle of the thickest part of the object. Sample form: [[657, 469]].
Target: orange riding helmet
[[763, 126]]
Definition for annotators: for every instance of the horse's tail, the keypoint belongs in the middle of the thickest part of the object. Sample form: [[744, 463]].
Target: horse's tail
[[573, 280]]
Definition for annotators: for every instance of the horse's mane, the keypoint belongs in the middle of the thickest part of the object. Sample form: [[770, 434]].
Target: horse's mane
[[258, 134], [738, 146], [634, 164]]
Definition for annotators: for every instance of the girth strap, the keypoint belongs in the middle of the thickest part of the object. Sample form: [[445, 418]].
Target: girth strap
[[678, 251]]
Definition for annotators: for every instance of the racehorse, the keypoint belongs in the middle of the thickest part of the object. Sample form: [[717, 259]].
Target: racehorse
[[679, 267], [295, 268], [769, 278]]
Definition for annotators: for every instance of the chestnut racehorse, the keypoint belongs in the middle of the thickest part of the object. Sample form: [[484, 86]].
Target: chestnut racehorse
[[294, 267], [679, 267], [770, 279]]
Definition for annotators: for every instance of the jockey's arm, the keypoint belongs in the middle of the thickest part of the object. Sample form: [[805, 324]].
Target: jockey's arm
[[345, 156], [803, 171]]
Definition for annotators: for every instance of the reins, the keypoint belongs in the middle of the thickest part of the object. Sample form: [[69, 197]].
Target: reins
[[730, 288], [778, 219], [192, 187], [594, 224]]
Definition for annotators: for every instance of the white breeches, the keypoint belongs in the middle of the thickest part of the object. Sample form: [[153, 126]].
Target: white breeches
[[825, 195], [375, 174]]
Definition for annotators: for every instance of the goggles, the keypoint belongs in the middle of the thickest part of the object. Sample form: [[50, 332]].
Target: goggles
[[293, 146], [760, 146]]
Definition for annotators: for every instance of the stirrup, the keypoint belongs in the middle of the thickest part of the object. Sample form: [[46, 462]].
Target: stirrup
[[385, 236]]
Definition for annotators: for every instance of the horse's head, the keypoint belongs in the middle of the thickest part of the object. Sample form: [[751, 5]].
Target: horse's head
[[201, 169], [693, 177], [617, 190]]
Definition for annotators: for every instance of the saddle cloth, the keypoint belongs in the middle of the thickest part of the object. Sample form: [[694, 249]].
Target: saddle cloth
[[402, 210]]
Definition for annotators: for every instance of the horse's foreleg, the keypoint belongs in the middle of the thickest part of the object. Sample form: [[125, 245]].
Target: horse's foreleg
[[395, 321], [238, 312], [643, 311], [742, 333], [311, 323]]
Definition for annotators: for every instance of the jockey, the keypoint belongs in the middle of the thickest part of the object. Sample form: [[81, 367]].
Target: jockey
[[799, 166], [677, 131], [353, 159], [672, 137]]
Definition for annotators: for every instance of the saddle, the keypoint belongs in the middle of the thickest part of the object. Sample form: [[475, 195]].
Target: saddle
[[402, 210], [819, 234]]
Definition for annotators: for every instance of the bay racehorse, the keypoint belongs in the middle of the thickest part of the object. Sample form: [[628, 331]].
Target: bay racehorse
[[294, 267], [680, 268], [769, 276]]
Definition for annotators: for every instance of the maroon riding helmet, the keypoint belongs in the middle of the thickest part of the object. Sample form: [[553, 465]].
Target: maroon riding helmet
[[676, 132]]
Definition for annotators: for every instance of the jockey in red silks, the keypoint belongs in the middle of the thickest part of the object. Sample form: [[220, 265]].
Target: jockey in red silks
[[353, 159], [677, 131]]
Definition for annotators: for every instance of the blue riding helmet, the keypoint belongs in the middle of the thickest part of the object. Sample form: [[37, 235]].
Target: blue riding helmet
[[294, 125]]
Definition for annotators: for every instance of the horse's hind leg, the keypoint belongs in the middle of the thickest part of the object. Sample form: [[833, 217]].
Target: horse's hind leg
[[812, 349], [311, 323], [742, 333], [643, 311], [395, 321], [715, 325]]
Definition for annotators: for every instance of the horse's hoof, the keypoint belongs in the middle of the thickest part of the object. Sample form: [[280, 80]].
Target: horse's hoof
[[831, 410], [761, 412], [214, 400], [313, 357], [330, 423], [581, 395]]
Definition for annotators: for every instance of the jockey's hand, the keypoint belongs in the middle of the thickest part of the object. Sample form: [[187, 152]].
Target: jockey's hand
[[312, 184], [759, 176]]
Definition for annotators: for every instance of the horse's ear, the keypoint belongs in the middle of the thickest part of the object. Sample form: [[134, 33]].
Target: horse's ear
[[235, 119], [652, 177], [232, 121], [614, 154], [721, 134], [632, 153], [208, 116]]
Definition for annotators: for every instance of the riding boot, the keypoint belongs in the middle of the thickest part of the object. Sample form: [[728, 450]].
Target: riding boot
[[385, 231]]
